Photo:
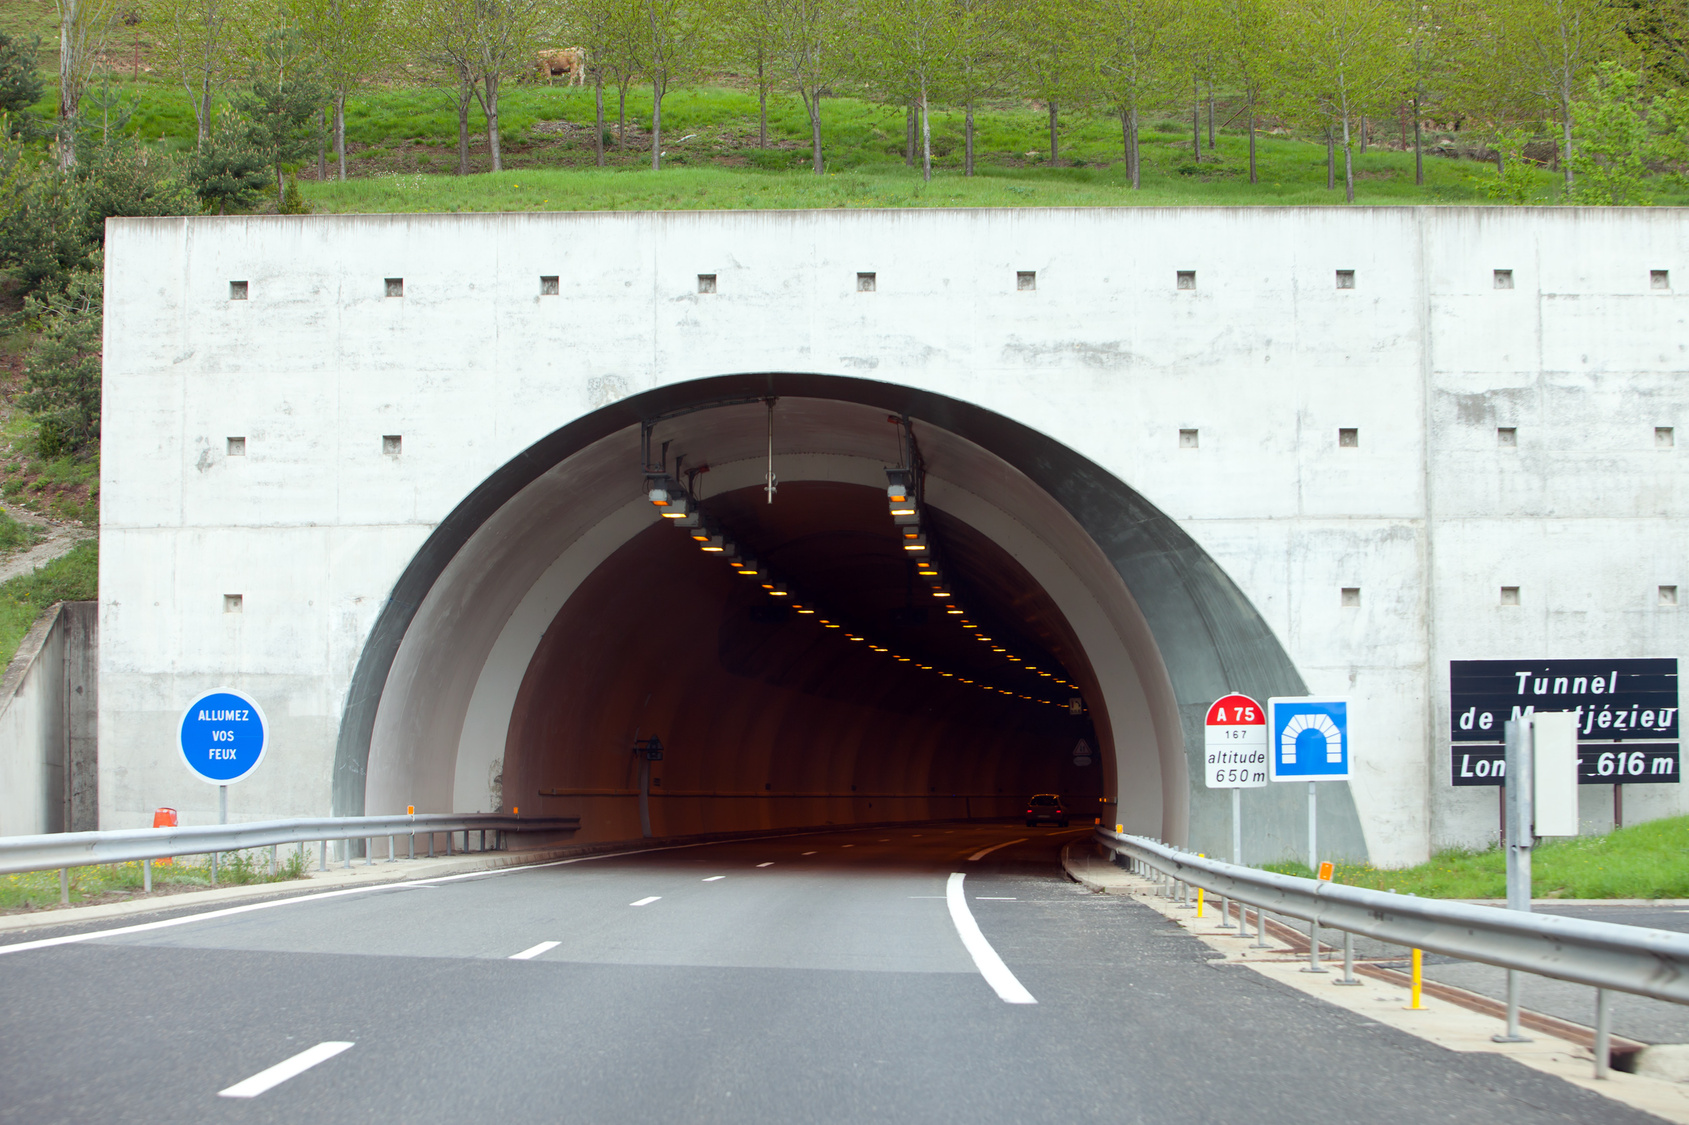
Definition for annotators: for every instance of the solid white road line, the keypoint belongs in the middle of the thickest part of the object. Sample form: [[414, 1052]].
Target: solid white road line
[[994, 898], [409, 884], [533, 951], [282, 1071], [812, 853], [994, 847], [770, 863], [647, 901], [713, 878], [990, 965]]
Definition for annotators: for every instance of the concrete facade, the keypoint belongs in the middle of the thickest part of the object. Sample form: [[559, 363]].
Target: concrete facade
[[1267, 355], [49, 758]]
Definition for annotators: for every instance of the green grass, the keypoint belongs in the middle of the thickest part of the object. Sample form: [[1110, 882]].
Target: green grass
[[34, 890], [74, 576], [1643, 861], [15, 534]]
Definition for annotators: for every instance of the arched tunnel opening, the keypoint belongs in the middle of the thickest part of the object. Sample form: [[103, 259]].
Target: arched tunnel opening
[[557, 621]]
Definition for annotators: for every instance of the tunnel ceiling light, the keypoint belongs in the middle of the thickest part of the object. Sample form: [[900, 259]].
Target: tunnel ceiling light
[[998, 648], [778, 590], [969, 625], [904, 659], [703, 532], [1013, 657], [942, 594], [926, 570], [802, 610], [852, 636], [832, 626], [693, 518], [903, 510], [678, 507], [984, 638], [897, 484], [954, 612], [915, 543], [948, 675], [717, 544]]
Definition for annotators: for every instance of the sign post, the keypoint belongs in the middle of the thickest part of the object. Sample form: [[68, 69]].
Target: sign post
[[1310, 742], [1235, 749], [222, 737]]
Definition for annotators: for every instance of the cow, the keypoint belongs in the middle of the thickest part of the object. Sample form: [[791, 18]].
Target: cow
[[570, 62]]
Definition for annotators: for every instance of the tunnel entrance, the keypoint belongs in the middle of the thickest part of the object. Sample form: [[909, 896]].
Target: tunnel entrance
[[556, 619]]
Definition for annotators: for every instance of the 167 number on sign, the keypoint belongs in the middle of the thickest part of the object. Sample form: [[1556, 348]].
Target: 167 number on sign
[[1235, 744]]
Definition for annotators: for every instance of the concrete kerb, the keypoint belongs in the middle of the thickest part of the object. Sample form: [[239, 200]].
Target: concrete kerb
[[1452, 1018]]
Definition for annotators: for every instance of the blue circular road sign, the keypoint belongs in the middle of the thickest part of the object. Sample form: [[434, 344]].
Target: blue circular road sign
[[223, 736]]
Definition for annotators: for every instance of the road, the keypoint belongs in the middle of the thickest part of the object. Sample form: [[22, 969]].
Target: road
[[810, 978]]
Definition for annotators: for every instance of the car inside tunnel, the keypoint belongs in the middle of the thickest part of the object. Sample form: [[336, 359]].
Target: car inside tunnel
[[556, 623]]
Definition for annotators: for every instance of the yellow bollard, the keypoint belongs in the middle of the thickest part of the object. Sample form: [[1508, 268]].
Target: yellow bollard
[[1418, 984], [1199, 902]]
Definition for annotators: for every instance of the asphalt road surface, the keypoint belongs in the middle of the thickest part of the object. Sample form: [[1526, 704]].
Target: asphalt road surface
[[824, 977]]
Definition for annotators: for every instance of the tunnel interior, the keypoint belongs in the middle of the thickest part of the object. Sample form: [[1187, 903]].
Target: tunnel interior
[[556, 621], [828, 678]]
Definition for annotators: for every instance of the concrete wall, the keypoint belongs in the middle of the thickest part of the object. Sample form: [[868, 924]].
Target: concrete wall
[[48, 752], [1266, 358]]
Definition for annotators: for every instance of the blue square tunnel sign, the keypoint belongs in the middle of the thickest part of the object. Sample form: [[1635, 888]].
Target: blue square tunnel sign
[[1308, 738]]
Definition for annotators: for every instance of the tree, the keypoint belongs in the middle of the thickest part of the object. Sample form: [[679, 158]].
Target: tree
[[1615, 140], [194, 41], [675, 41], [978, 67], [62, 370], [1340, 58], [228, 172], [1131, 63], [912, 45], [348, 38], [441, 34], [606, 30], [504, 36], [754, 40], [83, 27], [1554, 45], [280, 104], [20, 81], [1046, 35], [1246, 37], [816, 58]]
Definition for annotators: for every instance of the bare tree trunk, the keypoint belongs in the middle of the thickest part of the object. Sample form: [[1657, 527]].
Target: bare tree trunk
[[1252, 173], [322, 135], [1129, 127], [1196, 121], [1330, 160], [1418, 147], [281, 191], [622, 119], [464, 96], [69, 94], [1363, 135], [762, 107], [909, 135], [968, 140], [656, 127], [1348, 164], [815, 131], [203, 111], [491, 108], [1055, 152], [1211, 117], [1566, 136], [340, 132], [926, 137], [598, 130]]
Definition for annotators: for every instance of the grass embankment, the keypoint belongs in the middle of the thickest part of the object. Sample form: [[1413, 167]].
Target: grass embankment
[[1643, 861], [71, 577], [35, 890]]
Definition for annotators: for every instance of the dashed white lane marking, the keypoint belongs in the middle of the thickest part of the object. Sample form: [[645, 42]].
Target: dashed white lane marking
[[987, 851], [994, 898], [847, 845], [282, 1071], [770, 863], [713, 878], [808, 853], [646, 901], [533, 951], [990, 965]]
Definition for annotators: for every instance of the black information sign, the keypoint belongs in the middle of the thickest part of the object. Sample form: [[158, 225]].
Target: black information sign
[[1627, 715]]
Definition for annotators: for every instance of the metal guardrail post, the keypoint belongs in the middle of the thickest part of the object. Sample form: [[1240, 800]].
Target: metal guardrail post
[[64, 886], [1348, 960], [1511, 1035], [322, 857], [1313, 965], [390, 857], [146, 876], [1261, 941], [1603, 1032], [1225, 913], [272, 861]]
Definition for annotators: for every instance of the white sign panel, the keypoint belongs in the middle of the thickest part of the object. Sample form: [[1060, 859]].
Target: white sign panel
[[1235, 744]]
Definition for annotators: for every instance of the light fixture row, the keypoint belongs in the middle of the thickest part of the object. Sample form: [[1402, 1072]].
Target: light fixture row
[[676, 504], [905, 507]]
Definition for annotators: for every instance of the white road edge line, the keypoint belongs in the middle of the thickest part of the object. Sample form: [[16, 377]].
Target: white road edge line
[[533, 951], [770, 863], [431, 882], [982, 854], [713, 878], [282, 1071], [646, 901], [990, 966]]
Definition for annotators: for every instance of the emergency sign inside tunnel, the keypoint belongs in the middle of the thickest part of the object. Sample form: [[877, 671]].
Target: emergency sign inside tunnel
[[556, 618]]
